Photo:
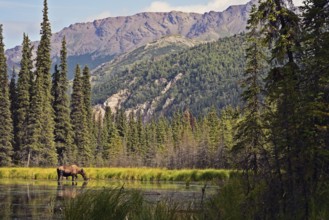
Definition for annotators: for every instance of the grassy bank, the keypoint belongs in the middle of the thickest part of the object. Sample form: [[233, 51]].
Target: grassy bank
[[140, 174]]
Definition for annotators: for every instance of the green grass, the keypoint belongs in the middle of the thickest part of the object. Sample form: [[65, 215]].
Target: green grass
[[140, 174], [28, 173], [119, 203], [230, 202]]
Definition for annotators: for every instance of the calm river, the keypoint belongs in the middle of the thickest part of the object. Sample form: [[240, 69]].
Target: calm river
[[26, 199]]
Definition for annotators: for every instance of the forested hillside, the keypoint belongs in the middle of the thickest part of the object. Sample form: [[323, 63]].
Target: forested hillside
[[195, 79], [151, 51]]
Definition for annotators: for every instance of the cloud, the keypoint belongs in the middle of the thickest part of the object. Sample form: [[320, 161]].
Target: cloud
[[211, 5], [104, 14]]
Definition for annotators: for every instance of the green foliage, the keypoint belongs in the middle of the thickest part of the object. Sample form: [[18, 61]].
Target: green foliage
[[86, 94], [228, 203], [24, 90], [41, 146], [13, 103], [63, 129], [6, 128], [250, 139], [47, 154], [33, 145], [284, 148], [79, 120]]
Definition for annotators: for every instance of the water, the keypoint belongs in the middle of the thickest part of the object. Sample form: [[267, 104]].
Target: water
[[26, 199]]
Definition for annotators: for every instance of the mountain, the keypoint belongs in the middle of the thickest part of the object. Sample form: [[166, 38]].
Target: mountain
[[94, 43], [196, 78], [151, 51]]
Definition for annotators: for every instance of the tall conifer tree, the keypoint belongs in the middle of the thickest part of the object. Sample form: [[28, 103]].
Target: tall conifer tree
[[280, 29], [63, 129], [86, 87], [100, 132], [87, 94], [251, 137], [106, 131], [6, 128], [315, 111], [79, 121], [43, 127], [24, 89]]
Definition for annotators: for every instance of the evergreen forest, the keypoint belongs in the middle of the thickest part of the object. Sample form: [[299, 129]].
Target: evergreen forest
[[206, 75], [266, 115]]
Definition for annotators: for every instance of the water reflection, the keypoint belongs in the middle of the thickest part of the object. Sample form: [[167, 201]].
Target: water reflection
[[69, 190], [33, 201], [23, 199]]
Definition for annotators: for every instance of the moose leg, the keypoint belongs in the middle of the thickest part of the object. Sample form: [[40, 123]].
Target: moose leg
[[59, 175]]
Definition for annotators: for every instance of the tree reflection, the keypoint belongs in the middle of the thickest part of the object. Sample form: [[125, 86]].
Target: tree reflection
[[33, 201]]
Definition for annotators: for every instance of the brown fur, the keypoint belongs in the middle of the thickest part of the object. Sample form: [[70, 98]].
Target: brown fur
[[72, 170]]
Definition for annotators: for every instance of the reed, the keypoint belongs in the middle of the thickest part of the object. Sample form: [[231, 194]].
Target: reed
[[140, 174], [118, 203], [28, 173]]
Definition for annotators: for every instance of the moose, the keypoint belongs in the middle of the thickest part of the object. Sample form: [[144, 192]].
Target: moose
[[72, 170]]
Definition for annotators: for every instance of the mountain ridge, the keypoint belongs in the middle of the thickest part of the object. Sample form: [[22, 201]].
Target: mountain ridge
[[97, 42]]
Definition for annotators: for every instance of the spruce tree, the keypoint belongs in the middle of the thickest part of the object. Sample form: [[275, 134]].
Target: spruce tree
[[87, 94], [24, 89], [315, 99], [13, 103], [112, 141], [176, 126], [132, 135], [116, 148], [100, 135], [63, 129], [213, 134], [42, 124], [250, 139], [86, 87], [151, 142], [121, 122], [106, 133], [316, 93], [79, 121], [6, 128], [280, 30], [32, 148], [141, 136]]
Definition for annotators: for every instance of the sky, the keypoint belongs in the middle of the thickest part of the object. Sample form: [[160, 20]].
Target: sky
[[25, 16]]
